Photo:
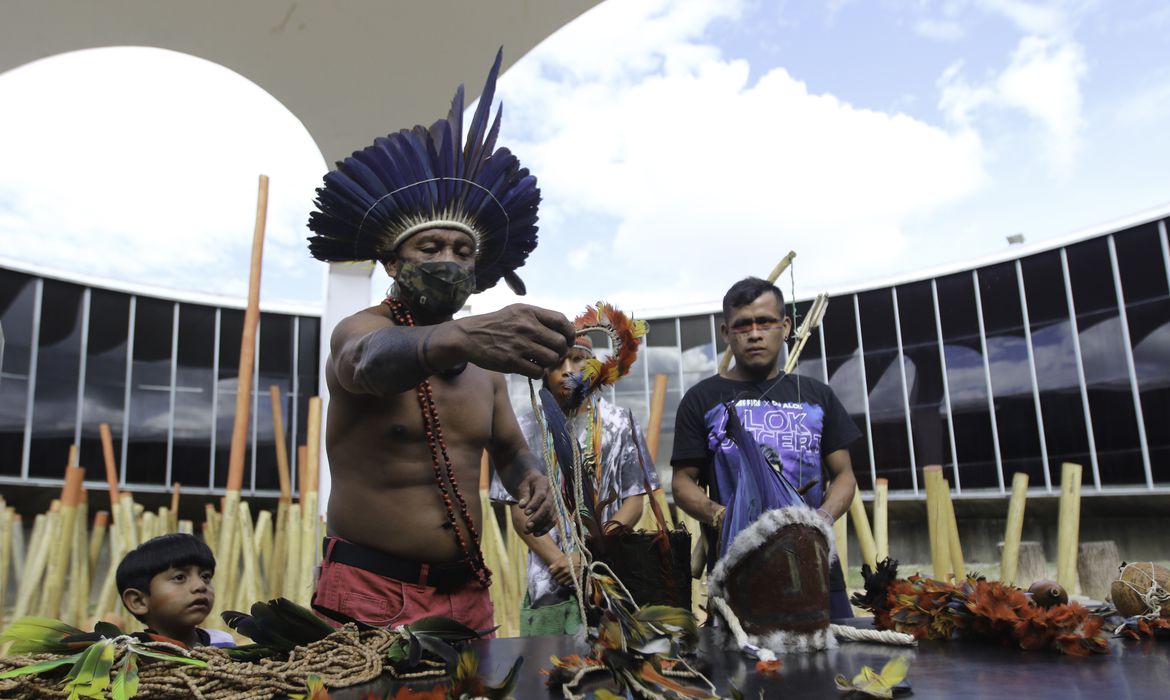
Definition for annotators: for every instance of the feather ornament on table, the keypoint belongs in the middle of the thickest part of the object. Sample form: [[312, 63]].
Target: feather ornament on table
[[422, 178]]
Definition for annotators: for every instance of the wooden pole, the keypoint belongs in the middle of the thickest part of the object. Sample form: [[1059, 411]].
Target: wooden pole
[[248, 588], [1009, 564], [292, 561], [175, 488], [101, 521], [865, 541], [58, 566], [725, 361], [18, 550], [841, 535], [1068, 526], [954, 547], [302, 461], [111, 467], [653, 433], [29, 582], [936, 521], [310, 542], [282, 472], [79, 571], [263, 545], [881, 518], [226, 567]]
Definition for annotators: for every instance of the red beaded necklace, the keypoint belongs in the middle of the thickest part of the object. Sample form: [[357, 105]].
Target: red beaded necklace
[[434, 434]]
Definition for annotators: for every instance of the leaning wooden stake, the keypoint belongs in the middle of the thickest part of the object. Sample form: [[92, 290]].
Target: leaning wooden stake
[[936, 521], [781, 266], [881, 518], [227, 565], [954, 547], [1069, 525], [812, 320], [1009, 564], [865, 541], [111, 466], [310, 541]]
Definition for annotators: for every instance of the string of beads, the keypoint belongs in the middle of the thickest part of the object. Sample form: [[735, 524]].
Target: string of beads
[[441, 461]]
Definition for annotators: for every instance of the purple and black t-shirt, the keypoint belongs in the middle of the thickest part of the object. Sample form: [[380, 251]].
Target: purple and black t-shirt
[[795, 419]]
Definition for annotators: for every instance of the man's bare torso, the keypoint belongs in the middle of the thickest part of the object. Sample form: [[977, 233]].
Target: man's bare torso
[[384, 493]]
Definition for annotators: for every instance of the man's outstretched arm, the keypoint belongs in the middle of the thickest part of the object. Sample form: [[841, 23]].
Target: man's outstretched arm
[[371, 355]]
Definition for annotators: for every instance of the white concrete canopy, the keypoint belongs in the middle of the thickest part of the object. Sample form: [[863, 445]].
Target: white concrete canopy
[[350, 70]]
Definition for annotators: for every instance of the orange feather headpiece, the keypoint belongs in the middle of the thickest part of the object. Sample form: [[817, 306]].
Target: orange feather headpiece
[[627, 335]]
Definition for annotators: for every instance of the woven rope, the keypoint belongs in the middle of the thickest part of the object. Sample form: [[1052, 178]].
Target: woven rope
[[345, 658]]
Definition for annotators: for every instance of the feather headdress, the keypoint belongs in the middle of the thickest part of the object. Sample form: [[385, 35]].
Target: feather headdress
[[627, 335], [419, 179]]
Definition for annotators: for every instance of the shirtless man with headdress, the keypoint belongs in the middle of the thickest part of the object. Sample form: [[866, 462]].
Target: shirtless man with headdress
[[416, 396]]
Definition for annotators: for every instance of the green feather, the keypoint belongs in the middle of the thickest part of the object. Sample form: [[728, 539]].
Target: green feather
[[41, 667]]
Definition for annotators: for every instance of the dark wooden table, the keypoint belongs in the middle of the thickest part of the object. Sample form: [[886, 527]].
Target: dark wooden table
[[960, 669]]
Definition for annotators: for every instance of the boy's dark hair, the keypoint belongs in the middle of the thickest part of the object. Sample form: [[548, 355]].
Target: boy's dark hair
[[748, 290], [156, 555]]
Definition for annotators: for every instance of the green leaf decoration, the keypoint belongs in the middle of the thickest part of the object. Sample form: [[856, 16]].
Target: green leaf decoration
[[125, 685], [41, 667], [173, 658], [91, 674], [36, 635]]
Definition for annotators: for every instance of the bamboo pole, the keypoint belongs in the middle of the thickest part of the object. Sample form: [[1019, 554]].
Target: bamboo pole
[[1068, 526], [310, 542], [174, 524], [954, 546], [124, 520], [495, 557], [881, 518], [936, 521], [79, 570], [279, 550], [97, 536], [211, 527], [292, 562], [111, 467], [282, 472], [107, 600], [1009, 564], [186, 527], [227, 566], [279, 545], [262, 543], [58, 567], [149, 526], [725, 361], [29, 580], [302, 460], [7, 519], [18, 547], [653, 433], [812, 319], [865, 543], [248, 589]]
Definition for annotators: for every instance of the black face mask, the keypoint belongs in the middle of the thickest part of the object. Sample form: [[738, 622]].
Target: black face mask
[[434, 289]]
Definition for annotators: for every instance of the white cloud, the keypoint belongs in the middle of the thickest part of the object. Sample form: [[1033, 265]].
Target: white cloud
[[708, 176], [142, 165], [939, 29], [1042, 80]]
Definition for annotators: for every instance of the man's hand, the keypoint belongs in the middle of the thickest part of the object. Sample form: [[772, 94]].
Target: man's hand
[[518, 339], [565, 568], [535, 503]]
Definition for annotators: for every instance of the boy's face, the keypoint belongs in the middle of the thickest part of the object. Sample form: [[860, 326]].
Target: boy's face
[[179, 599], [573, 363]]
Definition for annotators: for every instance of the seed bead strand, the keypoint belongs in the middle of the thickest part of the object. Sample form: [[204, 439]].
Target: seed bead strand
[[434, 435]]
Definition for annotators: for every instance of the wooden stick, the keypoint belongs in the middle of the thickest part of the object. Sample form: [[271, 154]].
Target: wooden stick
[[811, 321], [227, 553], [954, 547], [29, 583], [865, 541], [781, 266], [211, 526], [841, 535], [107, 600], [1068, 526], [653, 433], [175, 488], [310, 542], [279, 551], [936, 521], [881, 515], [78, 600], [282, 472], [292, 561], [302, 461], [111, 466], [58, 567], [235, 479], [248, 589], [262, 544], [101, 521], [313, 444], [186, 527], [1009, 564], [7, 519], [17, 547]]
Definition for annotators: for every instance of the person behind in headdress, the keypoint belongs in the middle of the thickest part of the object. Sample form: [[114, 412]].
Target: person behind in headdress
[[416, 397], [797, 423], [616, 483]]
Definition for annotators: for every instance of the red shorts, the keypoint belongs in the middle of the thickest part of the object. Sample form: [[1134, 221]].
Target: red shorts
[[383, 601]]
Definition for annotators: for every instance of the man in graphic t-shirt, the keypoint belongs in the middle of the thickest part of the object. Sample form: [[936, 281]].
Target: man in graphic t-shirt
[[797, 422]]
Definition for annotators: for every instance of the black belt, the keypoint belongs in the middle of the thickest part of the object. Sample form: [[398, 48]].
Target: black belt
[[446, 576]]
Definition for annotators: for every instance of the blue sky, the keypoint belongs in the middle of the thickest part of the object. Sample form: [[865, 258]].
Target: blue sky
[[680, 145]]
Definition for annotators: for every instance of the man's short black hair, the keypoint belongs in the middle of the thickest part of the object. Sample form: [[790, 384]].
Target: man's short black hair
[[156, 555], [748, 290]]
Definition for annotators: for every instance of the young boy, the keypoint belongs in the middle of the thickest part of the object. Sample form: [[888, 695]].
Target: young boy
[[166, 583]]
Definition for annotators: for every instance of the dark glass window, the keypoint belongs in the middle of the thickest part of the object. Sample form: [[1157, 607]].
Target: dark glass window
[[839, 331], [275, 369], [928, 409], [17, 294], [194, 388], [887, 406], [58, 370], [1011, 379], [150, 392], [967, 381], [1119, 458], [105, 378]]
